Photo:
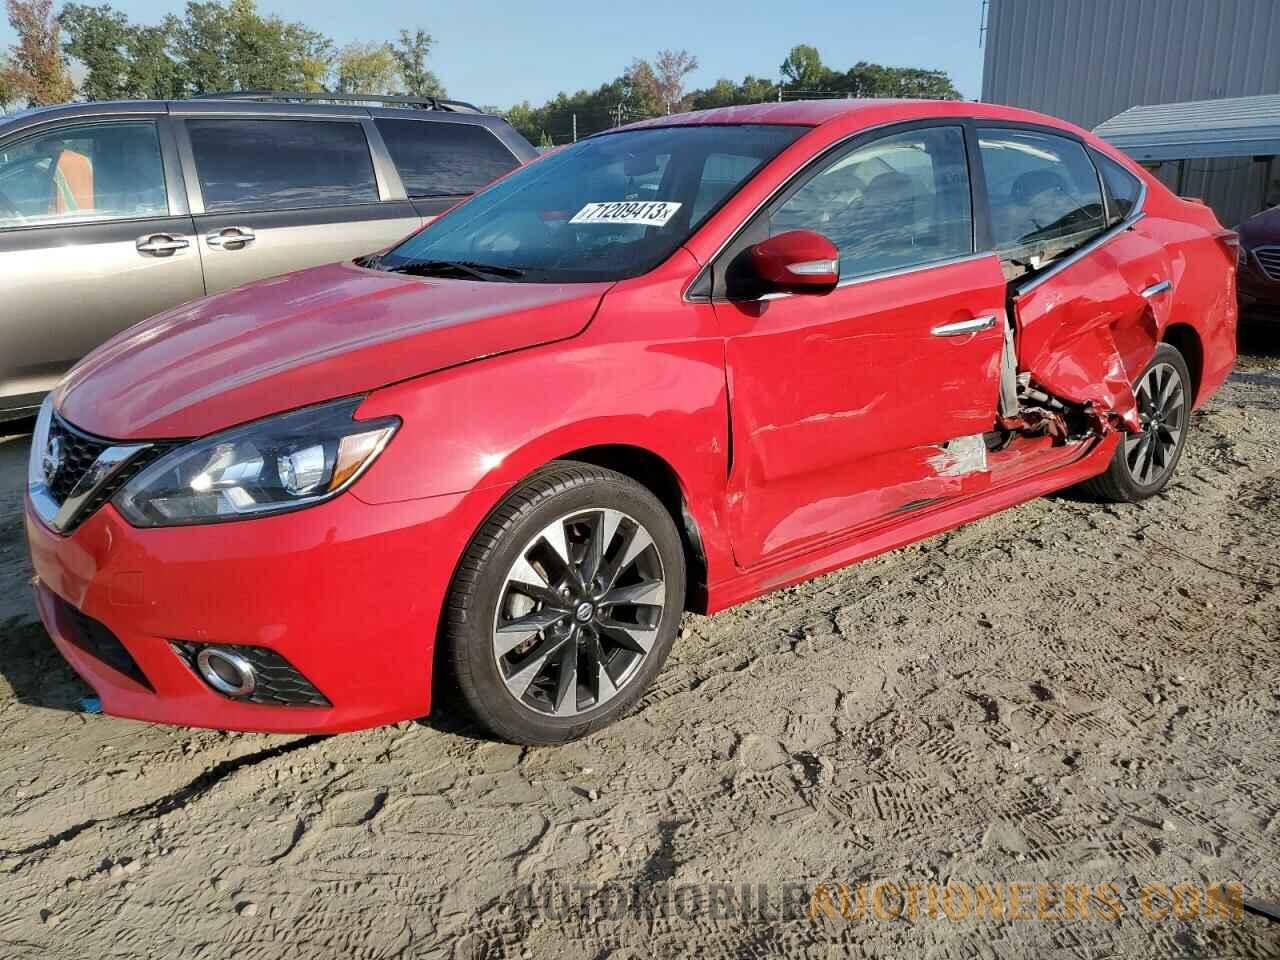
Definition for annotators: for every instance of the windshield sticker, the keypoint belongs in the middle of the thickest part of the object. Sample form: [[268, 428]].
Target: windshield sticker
[[643, 213]]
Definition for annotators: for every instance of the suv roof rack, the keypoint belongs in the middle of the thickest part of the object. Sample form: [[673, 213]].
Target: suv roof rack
[[421, 103]]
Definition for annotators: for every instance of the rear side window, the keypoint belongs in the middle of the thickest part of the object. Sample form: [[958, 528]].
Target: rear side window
[[1123, 188], [898, 202], [441, 159], [1044, 195], [281, 164], [92, 171]]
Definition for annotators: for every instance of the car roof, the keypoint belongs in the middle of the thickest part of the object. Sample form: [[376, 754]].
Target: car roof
[[851, 113]]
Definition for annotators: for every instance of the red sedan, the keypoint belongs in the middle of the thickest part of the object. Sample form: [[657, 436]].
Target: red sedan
[[668, 368]]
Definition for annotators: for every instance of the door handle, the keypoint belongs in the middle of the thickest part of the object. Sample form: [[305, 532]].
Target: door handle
[[161, 244], [231, 238], [963, 327], [1164, 286]]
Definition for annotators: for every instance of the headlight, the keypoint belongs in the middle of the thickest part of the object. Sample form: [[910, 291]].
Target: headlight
[[283, 463]]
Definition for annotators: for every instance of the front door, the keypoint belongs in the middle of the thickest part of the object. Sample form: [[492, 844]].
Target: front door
[[89, 244], [862, 405], [278, 195]]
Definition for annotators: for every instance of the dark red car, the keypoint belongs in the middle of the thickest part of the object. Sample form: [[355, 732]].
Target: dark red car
[[668, 368], [1259, 276]]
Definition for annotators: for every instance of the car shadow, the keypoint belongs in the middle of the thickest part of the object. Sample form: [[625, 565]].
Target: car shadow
[[33, 668]]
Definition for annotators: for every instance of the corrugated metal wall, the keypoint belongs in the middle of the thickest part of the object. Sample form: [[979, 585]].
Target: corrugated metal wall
[[1087, 60]]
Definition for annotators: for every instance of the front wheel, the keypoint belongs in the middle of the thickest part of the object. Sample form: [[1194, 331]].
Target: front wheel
[[565, 604], [1144, 462]]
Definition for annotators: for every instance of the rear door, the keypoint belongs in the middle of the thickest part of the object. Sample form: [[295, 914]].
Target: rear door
[[1090, 290], [862, 405], [274, 194], [94, 236], [441, 162]]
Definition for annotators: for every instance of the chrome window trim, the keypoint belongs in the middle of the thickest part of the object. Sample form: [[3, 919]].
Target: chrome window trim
[[109, 462], [1100, 240]]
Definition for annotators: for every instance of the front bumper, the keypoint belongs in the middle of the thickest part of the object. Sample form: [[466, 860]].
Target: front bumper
[[348, 593]]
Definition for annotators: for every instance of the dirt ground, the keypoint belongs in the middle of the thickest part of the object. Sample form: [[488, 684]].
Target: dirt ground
[[1067, 693]]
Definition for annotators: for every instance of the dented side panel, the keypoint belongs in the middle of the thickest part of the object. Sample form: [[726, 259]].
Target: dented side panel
[[1085, 334], [838, 403]]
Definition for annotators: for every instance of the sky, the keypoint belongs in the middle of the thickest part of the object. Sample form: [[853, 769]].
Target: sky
[[501, 53]]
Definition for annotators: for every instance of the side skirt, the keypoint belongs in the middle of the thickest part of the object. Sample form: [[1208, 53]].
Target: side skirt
[[906, 530]]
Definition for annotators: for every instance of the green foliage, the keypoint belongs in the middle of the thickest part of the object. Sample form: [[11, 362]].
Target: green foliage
[[233, 47], [228, 45], [366, 68], [803, 68], [410, 54], [646, 89]]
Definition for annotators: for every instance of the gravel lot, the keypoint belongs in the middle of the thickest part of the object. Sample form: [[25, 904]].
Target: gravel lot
[[1064, 693]]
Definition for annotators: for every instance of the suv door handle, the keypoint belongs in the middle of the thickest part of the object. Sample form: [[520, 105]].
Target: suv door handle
[[231, 238], [161, 244], [1164, 286], [964, 327]]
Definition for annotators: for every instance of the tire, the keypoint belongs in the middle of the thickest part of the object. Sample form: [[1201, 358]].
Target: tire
[[578, 558], [1144, 463]]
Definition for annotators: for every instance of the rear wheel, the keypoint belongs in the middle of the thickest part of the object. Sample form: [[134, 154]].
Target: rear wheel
[[1144, 462], [565, 604]]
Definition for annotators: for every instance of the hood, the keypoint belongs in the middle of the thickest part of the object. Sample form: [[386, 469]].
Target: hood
[[304, 338], [1262, 228]]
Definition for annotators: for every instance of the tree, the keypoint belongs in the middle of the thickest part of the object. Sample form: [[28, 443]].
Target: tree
[[411, 61], [670, 68], [726, 93], [98, 38], [366, 68], [38, 70], [153, 73], [803, 68], [232, 47], [874, 80], [8, 92]]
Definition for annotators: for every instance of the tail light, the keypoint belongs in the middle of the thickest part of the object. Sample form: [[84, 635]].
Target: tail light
[[1230, 241]]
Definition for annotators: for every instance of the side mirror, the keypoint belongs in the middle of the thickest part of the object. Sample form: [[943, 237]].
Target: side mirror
[[798, 261]]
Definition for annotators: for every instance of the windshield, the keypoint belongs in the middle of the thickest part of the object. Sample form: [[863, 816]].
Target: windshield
[[607, 208]]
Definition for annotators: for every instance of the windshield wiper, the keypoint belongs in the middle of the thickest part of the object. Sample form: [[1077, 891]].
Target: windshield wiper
[[469, 268]]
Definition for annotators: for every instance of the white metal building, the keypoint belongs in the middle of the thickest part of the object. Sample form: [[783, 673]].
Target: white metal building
[[1088, 61]]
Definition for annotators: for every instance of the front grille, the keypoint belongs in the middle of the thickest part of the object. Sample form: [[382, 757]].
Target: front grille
[[79, 451], [279, 684], [97, 640], [1269, 260]]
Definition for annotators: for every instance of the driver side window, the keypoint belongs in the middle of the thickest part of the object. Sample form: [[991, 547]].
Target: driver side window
[[901, 201], [93, 171]]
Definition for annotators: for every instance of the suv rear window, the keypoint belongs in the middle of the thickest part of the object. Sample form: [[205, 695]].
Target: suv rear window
[[441, 159], [281, 164]]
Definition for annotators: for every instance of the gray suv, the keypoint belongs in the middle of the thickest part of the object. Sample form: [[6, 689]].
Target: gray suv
[[112, 212]]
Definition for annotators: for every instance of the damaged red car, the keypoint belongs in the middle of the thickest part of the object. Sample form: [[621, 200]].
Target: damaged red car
[[667, 368]]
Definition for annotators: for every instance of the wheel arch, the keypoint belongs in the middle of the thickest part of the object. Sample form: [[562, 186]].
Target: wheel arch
[[660, 478], [1186, 340]]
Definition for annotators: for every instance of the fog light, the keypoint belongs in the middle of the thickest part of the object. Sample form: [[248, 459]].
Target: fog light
[[226, 671]]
